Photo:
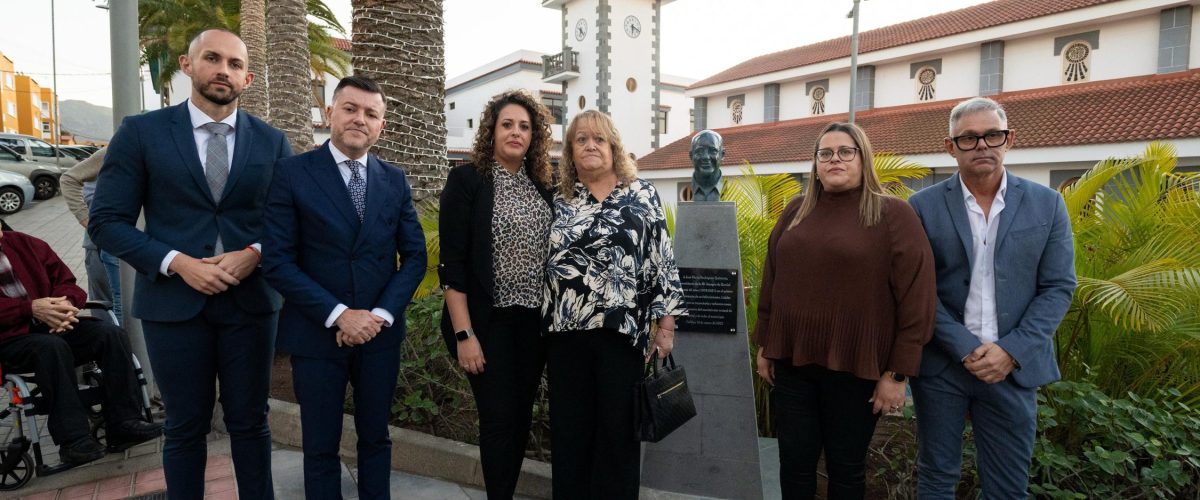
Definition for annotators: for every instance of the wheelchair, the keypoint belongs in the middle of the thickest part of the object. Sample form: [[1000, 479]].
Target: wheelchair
[[22, 458]]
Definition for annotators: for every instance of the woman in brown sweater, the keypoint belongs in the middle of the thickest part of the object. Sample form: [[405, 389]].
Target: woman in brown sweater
[[847, 302]]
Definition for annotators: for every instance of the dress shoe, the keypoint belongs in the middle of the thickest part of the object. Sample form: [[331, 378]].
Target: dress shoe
[[81, 451], [130, 433]]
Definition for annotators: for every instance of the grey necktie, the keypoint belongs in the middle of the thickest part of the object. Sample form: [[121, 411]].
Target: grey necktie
[[216, 158], [216, 166], [357, 187]]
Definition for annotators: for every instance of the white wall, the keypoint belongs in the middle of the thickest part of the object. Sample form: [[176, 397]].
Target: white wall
[[1128, 47], [470, 101], [896, 86], [678, 120]]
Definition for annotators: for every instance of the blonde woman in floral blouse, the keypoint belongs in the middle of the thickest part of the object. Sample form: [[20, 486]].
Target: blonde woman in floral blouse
[[611, 275], [495, 221]]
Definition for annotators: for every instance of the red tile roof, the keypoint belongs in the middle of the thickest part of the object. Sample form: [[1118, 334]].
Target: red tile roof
[[1143, 108], [342, 44], [927, 28]]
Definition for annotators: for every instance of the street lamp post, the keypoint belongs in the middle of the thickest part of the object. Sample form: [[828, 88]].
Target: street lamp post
[[853, 60], [55, 130]]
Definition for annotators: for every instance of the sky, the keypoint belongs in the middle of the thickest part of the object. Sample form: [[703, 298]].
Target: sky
[[699, 37]]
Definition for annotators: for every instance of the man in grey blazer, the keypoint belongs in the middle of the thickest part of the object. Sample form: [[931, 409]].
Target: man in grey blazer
[[1005, 275]]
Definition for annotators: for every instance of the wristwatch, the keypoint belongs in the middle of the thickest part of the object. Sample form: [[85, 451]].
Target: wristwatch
[[898, 377], [462, 335]]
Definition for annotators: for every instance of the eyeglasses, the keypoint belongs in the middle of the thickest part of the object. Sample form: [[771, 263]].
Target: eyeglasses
[[844, 154], [993, 139]]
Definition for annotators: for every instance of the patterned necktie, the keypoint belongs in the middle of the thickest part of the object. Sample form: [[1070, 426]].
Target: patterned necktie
[[216, 158], [10, 286], [358, 188]]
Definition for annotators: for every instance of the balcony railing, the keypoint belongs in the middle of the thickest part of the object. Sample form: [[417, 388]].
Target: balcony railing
[[561, 66]]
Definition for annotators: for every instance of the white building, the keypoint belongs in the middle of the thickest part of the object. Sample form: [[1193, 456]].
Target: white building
[[467, 94], [1083, 80]]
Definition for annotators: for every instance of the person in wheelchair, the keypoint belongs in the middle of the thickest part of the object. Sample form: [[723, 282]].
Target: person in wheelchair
[[41, 332]]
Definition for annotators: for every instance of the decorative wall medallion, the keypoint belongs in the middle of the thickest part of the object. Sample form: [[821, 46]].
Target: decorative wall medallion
[[925, 80], [736, 112], [633, 26], [631, 85], [581, 29], [1075, 62], [818, 100], [582, 103]]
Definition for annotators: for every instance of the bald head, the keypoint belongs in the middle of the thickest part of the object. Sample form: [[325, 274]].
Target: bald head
[[216, 63]]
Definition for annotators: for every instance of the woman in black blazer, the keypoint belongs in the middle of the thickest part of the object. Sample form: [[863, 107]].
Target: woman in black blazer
[[494, 230]]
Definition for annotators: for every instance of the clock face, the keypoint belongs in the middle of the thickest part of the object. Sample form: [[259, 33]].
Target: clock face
[[580, 30], [633, 27]]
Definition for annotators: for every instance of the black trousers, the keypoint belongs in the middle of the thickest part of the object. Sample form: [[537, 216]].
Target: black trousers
[[818, 409], [53, 358], [504, 393], [592, 377]]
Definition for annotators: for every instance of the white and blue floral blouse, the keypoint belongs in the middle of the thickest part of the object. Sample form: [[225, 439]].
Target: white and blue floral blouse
[[611, 263]]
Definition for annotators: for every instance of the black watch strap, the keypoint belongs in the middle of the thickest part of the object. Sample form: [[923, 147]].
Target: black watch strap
[[898, 377]]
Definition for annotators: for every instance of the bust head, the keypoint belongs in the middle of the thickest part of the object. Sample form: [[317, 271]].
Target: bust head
[[706, 154]]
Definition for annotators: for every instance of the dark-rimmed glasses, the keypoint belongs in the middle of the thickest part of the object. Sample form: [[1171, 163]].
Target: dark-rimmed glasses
[[844, 154], [993, 139]]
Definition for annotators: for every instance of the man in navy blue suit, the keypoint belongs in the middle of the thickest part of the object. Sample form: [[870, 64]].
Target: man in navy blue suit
[[336, 219], [199, 172], [1005, 275]]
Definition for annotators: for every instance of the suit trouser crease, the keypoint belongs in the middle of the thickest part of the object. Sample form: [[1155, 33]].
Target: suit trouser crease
[[226, 345], [1004, 424], [515, 356], [53, 358], [320, 385], [821, 410], [592, 378]]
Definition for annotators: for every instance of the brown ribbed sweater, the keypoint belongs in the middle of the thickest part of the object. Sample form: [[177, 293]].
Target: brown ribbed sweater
[[849, 298]]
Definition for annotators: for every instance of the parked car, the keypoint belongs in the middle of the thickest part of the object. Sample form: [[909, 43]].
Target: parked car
[[15, 192], [36, 150], [44, 177], [74, 152]]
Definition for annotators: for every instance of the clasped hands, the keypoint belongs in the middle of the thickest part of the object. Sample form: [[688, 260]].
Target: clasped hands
[[989, 363], [357, 327], [213, 275], [58, 312]]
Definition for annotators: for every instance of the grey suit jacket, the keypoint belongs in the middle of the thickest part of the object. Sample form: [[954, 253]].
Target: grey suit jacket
[[1034, 271]]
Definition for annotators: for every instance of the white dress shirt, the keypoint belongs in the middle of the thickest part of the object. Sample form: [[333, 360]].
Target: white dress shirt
[[340, 159], [979, 314]]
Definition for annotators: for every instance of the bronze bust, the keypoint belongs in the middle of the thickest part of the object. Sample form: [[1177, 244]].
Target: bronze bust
[[706, 155]]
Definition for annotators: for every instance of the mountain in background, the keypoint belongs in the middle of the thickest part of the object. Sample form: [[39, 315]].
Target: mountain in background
[[85, 119]]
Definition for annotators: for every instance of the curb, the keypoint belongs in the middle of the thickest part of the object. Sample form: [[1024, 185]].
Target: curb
[[414, 452]]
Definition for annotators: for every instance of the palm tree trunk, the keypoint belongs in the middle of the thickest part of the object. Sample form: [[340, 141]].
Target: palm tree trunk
[[288, 65], [254, 33], [400, 45]]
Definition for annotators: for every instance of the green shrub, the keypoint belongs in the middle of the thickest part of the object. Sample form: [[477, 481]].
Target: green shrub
[[1088, 446]]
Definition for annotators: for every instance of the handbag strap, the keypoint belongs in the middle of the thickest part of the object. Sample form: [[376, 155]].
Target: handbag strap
[[668, 364]]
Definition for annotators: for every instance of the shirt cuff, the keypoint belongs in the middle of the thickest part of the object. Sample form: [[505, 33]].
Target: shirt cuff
[[166, 263], [388, 319], [333, 316]]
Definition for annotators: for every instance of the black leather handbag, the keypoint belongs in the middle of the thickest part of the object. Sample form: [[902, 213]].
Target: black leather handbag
[[662, 401]]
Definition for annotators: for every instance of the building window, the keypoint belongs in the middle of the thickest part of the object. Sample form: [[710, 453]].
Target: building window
[[660, 118], [926, 80], [817, 96], [1077, 62], [470, 123], [12, 108], [557, 104], [451, 106], [9, 78], [692, 120], [45, 109], [318, 90], [771, 102], [45, 128]]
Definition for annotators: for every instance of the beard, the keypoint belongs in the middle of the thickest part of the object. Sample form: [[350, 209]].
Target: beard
[[209, 92]]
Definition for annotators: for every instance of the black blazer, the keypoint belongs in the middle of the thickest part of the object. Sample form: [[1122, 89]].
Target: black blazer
[[465, 233]]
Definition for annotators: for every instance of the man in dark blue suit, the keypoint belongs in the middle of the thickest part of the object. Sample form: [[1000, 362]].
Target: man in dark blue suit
[[1005, 275], [336, 219], [199, 172]]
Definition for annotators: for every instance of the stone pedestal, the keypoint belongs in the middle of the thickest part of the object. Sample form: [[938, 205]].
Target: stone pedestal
[[716, 453]]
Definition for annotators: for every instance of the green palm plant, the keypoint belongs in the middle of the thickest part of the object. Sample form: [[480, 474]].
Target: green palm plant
[[427, 214], [166, 26], [1134, 325]]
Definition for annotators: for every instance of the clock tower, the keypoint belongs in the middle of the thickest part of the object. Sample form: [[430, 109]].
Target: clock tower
[[610, 62]]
